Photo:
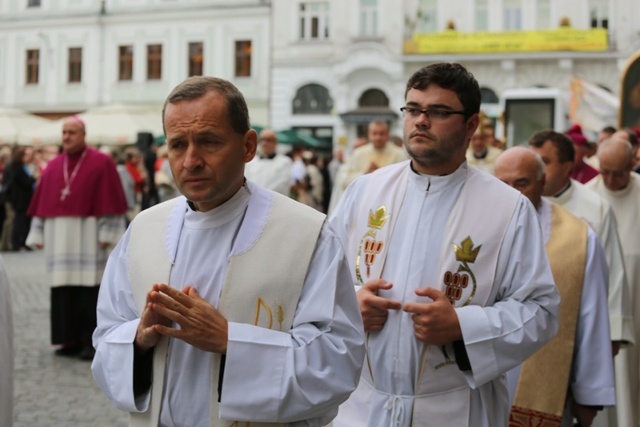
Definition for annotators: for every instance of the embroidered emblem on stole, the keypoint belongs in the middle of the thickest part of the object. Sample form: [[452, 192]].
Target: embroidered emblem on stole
[[267, 322], [369, 244], [455, 283]]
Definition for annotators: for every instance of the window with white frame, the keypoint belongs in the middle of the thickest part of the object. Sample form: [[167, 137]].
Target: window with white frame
[[368, 18], [314, 20], [599, 13], [482, 15], [427, 17], [512, 15], [125, 62], [32, 75], [543, 14], [75, 65], [196, 57], [154, 61], [242, 58]]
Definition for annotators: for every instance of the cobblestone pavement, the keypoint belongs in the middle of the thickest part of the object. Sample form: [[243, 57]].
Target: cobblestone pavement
[[49, 390]]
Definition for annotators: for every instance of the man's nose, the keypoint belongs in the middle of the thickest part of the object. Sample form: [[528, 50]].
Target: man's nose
[[422, 120], [192, 158]]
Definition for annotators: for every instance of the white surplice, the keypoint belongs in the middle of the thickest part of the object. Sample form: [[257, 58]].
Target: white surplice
[[6, 350], [591, 380], [72, 252], [302, 374], [487, 162], [272, 173], [588, 205], [360, 160], [519, 317], [626, 207]]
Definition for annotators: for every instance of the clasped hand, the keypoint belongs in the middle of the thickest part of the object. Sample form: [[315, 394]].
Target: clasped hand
[[198, 323], [433, 322]]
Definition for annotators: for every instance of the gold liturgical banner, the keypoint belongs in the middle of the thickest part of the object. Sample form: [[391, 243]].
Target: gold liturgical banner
[[560, 39]]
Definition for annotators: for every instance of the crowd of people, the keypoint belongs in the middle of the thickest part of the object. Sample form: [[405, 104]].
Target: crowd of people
[[453, 283]]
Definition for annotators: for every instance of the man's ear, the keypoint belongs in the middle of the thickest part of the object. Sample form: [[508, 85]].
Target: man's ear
[[250, 145], [472, 125]]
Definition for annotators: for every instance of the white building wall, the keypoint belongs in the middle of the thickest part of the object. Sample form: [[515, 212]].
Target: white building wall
[[346, 63], [58, 25]]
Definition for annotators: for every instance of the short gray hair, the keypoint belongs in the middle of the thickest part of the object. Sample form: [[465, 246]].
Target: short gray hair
[[197, 86]]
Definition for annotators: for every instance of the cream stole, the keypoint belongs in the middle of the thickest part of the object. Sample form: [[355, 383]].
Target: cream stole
[[468, 262], [269, 302], [544, 379]]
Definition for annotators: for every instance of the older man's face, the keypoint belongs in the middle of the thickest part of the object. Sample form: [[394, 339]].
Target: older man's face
[[518, 168], [615, 169], [206, 155], [268, 142], [73, 136]]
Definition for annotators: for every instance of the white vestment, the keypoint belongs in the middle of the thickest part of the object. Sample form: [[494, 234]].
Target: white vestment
[[6, 350], [360, 160], [280, 376], [486, 163], [274, 174], [588, 205], [626, 207], [518, 318], [592, 380], [72, 252]]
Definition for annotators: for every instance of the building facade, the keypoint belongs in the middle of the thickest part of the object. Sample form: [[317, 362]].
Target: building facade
[[65, 56], [322, 67]]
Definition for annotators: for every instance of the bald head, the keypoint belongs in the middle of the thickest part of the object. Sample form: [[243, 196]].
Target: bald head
[[616, 162], [73, 135], [523, 170]]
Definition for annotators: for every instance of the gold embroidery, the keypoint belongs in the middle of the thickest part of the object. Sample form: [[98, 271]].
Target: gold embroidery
[[279, 315], [466, 252], [371, 249], [455, 282], [371, 246], [378, 219], [260, 303]]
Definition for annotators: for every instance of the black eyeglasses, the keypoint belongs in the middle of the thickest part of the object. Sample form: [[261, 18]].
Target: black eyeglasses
[[431, 115]]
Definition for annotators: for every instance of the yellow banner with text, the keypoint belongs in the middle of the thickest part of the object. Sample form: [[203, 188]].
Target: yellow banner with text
[[561, 39]]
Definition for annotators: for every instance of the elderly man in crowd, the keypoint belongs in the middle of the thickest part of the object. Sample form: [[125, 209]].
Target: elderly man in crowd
[[268, 168], [481, 153], [557, 152], [78, 216], [620, 186], [559, 381], [379, 152]]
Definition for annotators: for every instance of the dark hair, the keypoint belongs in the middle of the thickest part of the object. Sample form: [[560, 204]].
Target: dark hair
[[198, 86], [17, 157], [608, 129], [449, 76], [564, 144]]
